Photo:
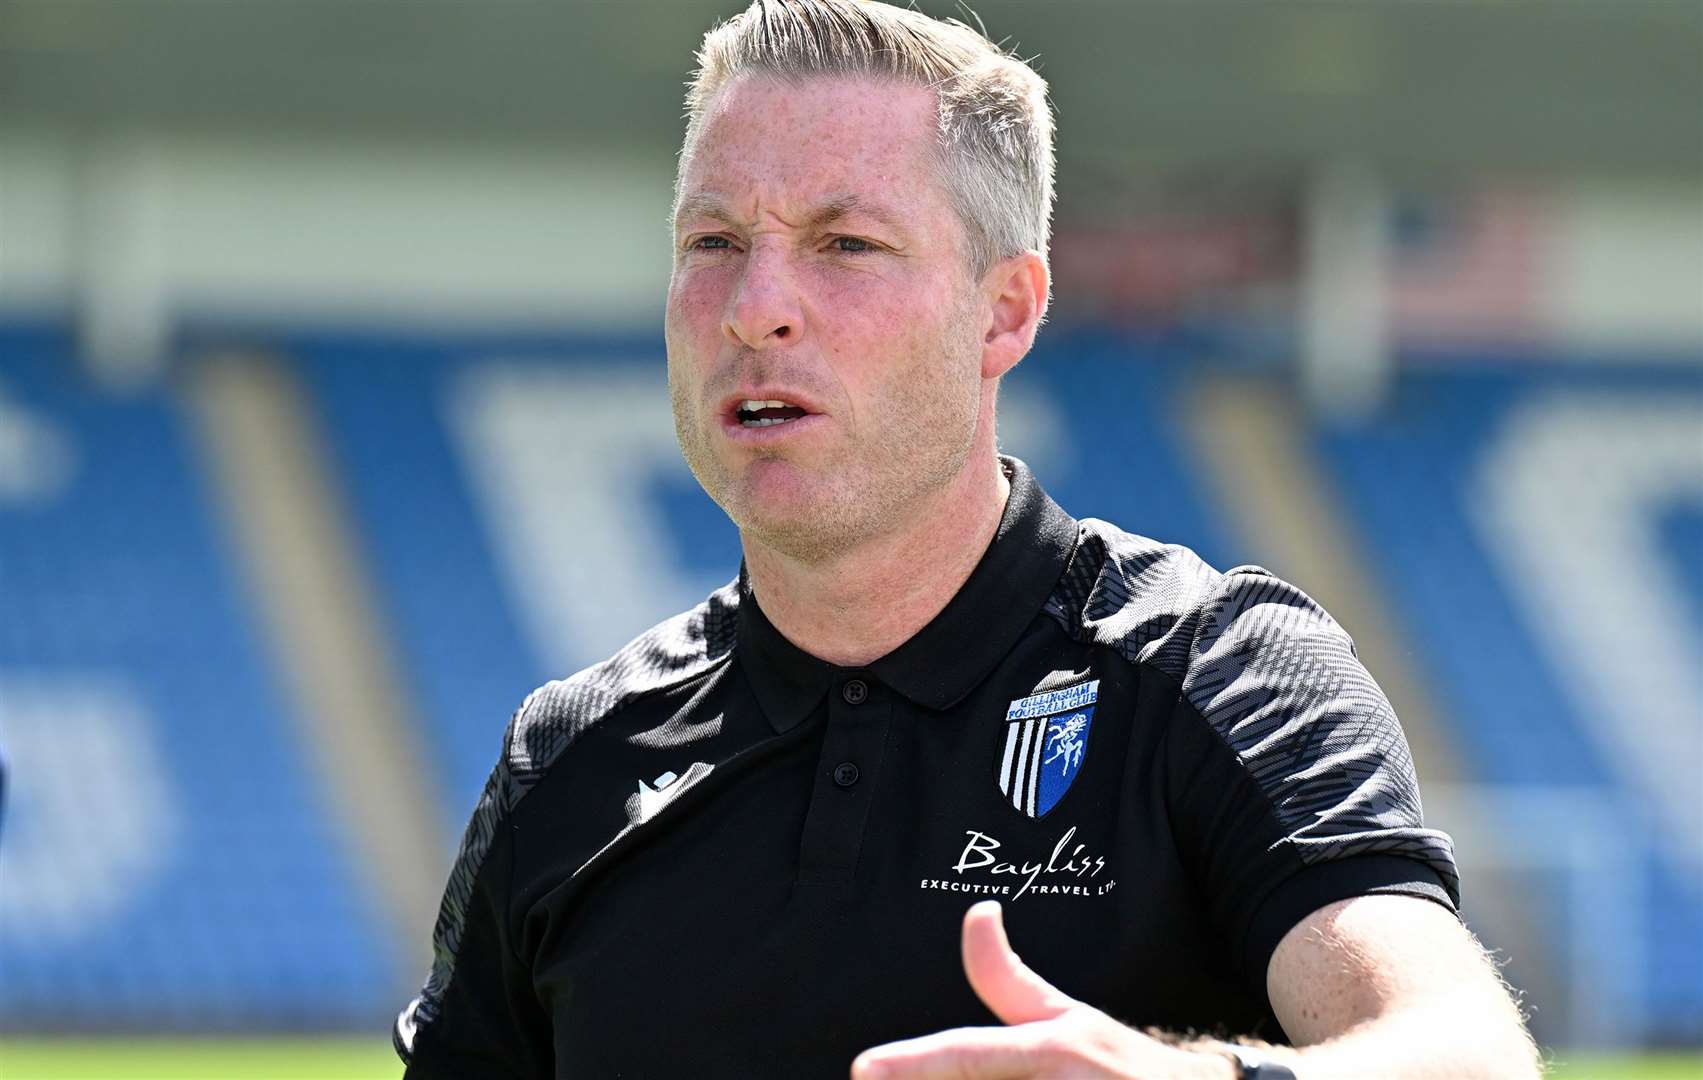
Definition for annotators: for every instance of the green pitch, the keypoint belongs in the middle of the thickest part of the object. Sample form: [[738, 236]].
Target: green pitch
[[1633, 1067], [366, 1059], [198, 1059]]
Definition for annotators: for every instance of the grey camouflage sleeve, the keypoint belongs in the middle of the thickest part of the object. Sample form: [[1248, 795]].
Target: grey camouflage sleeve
[[477, 1014], [1292, 782]]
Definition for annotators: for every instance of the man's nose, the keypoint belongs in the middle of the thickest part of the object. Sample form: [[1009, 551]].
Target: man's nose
[[765, 310]]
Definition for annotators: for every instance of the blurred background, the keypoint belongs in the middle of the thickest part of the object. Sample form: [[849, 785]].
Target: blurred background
[[333, 420]]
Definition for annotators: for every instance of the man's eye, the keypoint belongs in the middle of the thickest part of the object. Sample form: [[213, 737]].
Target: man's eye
[[710, 243], [851, 245]]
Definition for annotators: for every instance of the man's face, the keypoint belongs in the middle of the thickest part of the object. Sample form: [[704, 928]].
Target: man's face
[[818, 264]]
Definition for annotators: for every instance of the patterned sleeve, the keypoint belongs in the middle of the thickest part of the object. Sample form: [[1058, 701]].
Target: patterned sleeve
[[477, 1014], [1291, 781]]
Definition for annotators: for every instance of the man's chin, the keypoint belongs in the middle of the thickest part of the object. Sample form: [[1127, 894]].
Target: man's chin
[[801, 540], [763, 511], [774, 485], [797, 523]]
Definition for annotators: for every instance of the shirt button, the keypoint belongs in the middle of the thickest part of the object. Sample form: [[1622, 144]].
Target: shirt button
[[845, 774], [856, 692]]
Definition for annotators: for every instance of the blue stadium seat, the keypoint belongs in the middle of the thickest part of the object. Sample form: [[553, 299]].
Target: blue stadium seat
[[166, 862]]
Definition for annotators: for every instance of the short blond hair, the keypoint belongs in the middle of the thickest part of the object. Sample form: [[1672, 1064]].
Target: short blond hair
[[996, 127]]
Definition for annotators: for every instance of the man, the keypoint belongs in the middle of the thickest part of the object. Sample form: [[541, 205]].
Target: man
[[742, 846]]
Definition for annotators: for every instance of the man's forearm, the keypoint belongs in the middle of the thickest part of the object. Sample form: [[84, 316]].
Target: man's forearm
[[1415, 1044]]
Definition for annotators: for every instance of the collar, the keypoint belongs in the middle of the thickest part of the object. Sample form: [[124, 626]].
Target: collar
[[959, 648]]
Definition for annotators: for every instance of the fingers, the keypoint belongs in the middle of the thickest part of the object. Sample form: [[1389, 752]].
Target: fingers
[[1006, 985], [959, 1054], [1051, 1033]]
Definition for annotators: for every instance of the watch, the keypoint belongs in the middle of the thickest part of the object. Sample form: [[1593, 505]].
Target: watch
[[1253, 1065]]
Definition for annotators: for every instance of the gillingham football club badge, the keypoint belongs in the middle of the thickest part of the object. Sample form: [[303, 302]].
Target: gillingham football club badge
[[1046, 736]]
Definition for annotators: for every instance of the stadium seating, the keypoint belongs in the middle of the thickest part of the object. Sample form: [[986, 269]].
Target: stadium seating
[[165, 863], [520, 509]]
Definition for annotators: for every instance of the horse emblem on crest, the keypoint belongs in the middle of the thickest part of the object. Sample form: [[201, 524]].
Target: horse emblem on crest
[[1046, 739]]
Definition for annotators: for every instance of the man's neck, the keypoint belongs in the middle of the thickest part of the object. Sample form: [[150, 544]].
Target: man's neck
[[861, 606]]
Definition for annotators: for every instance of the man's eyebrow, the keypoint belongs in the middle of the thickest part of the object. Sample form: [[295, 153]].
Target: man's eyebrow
[[843, 206], [702, 206], [834, 209]]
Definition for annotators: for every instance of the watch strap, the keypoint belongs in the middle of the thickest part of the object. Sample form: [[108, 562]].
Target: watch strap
[[1254, 1065]]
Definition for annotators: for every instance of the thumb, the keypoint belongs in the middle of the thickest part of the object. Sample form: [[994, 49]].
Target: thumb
[[1005, 984]]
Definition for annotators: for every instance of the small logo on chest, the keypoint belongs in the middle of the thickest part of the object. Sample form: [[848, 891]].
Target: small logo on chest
[[1046, 738], [653, 795]]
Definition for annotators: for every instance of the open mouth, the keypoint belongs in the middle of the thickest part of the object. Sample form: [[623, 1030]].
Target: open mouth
[[754, 414]]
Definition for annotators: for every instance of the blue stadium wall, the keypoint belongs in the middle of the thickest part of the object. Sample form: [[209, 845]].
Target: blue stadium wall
[[485, 477]]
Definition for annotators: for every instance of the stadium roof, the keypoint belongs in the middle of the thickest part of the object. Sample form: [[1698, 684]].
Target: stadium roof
[[1163, 85]]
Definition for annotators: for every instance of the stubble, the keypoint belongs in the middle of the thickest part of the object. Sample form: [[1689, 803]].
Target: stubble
[[911, 440]]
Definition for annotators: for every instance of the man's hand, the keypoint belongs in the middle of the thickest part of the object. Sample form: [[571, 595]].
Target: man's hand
[[1049, 1034]]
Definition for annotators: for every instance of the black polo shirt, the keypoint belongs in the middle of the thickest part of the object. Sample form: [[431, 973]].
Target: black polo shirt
[[716, 855]]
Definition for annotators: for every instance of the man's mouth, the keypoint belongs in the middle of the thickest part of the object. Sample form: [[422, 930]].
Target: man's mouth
[[754, 414]]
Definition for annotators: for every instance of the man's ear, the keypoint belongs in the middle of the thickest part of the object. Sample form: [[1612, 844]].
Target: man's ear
[[1015, 291]]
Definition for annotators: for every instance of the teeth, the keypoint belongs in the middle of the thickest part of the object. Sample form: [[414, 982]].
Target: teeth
[[767, 422], [752, 406]]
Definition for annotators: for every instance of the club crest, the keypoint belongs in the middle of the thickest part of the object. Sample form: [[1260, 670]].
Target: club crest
[[1046, 736]]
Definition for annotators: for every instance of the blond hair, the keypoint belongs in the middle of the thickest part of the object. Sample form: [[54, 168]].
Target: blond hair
[[995, 126]]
